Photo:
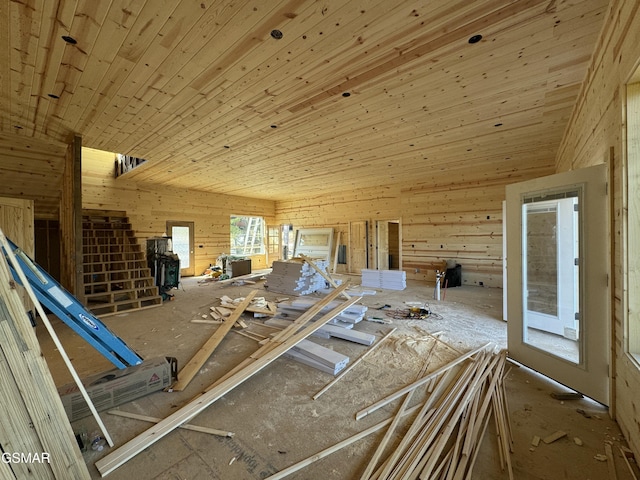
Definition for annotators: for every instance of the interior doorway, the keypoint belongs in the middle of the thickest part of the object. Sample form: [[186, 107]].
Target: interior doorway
[[388, 242], [181, 234]]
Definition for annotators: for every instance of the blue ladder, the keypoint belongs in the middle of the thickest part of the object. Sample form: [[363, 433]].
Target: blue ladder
[[68, 309]]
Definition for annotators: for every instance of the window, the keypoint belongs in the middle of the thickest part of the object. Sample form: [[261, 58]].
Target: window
[[632, 223], [126, 163], [247, 235], [274, 240]]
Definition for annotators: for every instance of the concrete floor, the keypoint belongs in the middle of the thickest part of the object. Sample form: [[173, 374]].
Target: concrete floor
[[277, 423]]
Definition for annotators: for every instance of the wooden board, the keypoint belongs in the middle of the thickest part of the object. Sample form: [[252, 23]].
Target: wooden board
[[198, 360], [120, 455], [16, 221], [33, 418]]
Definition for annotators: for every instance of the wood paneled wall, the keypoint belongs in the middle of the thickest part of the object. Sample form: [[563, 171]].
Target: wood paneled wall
[[16, 221], [456, 222], [596, 130], [440, 221], [32, 169], [149, 207]]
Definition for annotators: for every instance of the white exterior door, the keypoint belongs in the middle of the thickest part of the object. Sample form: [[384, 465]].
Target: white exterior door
[[558, 301]]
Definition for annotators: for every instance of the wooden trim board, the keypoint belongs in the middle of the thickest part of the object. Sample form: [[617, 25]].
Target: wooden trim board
[[346, 370], [186, 426], [130, 449], [195, 364], [417, 383], [281, 336]]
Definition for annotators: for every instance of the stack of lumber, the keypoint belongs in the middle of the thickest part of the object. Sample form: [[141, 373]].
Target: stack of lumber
[[319, 357], [444, 437], [345, 331], [35, 434], [353, 314], [385, 279], [296, 277], [443, 440]]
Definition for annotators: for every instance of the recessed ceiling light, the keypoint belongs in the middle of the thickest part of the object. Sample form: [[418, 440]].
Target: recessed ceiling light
[[69, 39], [53, 96], [346, 94], [475, 39], [277, 34]]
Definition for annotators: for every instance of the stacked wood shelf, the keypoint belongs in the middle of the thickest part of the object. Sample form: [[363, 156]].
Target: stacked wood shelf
[[116, 275]]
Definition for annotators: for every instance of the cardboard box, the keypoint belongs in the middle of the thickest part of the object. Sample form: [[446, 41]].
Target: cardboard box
[[118, 386]]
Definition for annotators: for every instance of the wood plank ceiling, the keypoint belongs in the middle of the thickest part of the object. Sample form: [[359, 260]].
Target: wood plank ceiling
[[275, 99]]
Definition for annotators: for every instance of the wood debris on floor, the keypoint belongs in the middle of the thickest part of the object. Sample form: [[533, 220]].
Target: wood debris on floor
[[443, 438], [190, 370], [275, 348]]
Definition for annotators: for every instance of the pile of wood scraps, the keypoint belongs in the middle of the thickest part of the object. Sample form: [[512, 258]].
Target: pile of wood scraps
[[259, 306]]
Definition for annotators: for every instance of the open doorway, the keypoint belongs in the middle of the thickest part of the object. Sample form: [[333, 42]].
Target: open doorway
[[388, 242]]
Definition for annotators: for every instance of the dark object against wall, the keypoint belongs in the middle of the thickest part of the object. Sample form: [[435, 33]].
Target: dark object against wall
[[453, 276]]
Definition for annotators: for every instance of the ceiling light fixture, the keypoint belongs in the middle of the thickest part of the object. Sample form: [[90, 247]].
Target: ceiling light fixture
[[277, 34], [475, 39], [346, 94]]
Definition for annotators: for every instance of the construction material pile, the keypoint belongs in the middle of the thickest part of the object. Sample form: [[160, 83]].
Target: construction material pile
[[385, 279], [454, 407], [295, 277], [340, 327], [352, 315], [444, 438], [312, 354]]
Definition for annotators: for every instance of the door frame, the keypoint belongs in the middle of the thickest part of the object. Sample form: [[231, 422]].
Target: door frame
[[190, 271], [595, 309], [382, 246]]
